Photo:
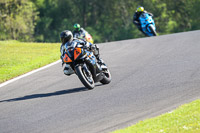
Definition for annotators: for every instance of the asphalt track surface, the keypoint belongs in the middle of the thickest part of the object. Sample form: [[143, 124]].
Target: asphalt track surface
[[150, 76]]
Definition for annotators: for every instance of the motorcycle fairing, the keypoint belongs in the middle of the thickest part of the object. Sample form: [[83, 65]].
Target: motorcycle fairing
[[89, 38], [146, 20], [66, 58], [77, 52]]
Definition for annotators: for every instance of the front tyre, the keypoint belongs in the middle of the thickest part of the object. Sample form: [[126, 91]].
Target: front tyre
[[85, 76], [152, 30]]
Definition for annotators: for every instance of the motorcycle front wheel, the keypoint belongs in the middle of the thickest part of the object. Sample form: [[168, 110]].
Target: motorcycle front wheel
[[85, 76], [152, 30]]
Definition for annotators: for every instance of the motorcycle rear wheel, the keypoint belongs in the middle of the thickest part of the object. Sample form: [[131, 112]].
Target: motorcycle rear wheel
[[107, 77], [85, 77]]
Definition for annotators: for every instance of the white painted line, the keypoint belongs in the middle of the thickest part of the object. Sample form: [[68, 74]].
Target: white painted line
[[29, 73]]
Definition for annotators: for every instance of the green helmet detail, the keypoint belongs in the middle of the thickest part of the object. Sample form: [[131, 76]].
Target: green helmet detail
[[77, 26]]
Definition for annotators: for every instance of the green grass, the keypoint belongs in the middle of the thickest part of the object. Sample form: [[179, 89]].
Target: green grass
[[17, 58], [185, 119]]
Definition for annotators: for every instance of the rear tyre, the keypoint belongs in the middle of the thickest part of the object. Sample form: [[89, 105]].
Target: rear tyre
[[107, 77], [85, 76], [152, 30]]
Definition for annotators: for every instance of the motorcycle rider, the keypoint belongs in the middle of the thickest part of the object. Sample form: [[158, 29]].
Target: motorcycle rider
[[66, 38], [139, 11], [79, 30]]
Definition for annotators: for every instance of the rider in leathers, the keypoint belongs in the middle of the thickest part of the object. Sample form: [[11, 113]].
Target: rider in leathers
[[140, 10], [79, 30], [66, 38]]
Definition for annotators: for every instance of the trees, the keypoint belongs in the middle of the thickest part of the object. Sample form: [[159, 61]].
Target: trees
[[106, 20], [17, 19]]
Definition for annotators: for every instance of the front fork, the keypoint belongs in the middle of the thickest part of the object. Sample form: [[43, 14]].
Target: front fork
[[86, 70]]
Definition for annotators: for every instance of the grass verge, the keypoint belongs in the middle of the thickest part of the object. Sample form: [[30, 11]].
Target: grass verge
[[185, 119], [17, 58]]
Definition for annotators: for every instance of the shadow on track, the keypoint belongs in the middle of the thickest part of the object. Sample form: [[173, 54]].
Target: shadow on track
[[62, 92]]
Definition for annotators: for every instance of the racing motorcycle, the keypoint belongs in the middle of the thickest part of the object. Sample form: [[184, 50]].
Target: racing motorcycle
[[147, 24], [86, 36], [85, 65]]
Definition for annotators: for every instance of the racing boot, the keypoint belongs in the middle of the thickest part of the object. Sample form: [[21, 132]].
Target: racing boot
[[100, 61], [68, 70], [95, 49]]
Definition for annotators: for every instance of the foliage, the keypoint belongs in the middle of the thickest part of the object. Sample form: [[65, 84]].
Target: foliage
[[106, 20], [17, 19]]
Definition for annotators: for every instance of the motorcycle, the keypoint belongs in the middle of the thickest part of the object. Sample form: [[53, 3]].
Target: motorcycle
[[85, 65], [147, 24], [86, 36]]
